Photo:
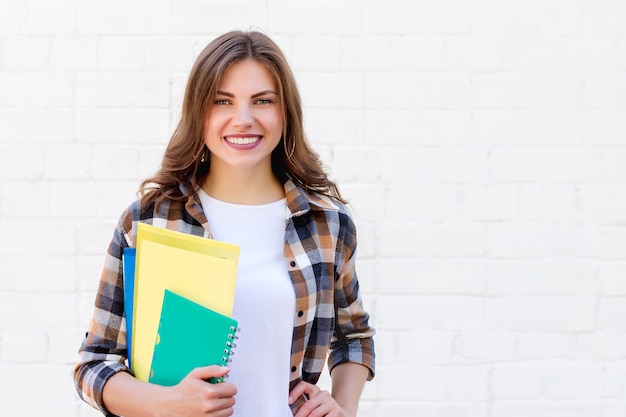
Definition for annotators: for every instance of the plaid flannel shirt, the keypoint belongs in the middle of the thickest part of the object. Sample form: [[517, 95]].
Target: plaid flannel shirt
[[329, 319]]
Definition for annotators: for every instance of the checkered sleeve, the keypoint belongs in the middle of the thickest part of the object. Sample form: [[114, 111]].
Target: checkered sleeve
[[353, 339], [103, 351]]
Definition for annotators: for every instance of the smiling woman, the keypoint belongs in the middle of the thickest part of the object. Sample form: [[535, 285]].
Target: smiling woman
[[242, 129], [187, 155], [239, 169]]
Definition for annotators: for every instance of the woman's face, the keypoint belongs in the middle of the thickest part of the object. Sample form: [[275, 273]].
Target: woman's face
[[245, 122]]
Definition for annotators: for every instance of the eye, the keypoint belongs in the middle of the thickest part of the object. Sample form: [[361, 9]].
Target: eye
[[220, 102], [264, 101]]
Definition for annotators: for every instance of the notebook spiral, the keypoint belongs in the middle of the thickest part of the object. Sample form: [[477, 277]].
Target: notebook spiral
[[228, 352]]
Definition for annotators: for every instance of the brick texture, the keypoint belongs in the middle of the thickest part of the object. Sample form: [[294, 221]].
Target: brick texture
[[482, 144]]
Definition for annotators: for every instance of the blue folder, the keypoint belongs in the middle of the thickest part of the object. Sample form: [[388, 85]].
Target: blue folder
[[128, 270]]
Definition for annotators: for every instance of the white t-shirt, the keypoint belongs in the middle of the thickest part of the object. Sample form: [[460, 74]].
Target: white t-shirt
[[264, 304]]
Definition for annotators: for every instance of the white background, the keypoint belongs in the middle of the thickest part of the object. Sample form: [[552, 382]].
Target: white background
[[482, 144]]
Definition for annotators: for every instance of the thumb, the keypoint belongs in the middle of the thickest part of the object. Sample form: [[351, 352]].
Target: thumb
[[212, 371], [302, 388]]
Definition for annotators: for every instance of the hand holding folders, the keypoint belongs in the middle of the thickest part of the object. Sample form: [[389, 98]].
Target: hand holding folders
[[176, 274]]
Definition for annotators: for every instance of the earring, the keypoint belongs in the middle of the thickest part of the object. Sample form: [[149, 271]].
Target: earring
[[204, 155]]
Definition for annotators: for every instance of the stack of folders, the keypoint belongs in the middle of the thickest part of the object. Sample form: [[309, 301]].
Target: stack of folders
[[179, 291]]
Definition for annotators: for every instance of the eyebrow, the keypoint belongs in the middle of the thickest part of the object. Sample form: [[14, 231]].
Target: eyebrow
[[260, 93]]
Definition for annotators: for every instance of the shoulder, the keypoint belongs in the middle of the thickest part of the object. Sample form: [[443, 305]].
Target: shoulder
[[335, 216], [331, 207], [136, 212], [301, 200], [167, 214]]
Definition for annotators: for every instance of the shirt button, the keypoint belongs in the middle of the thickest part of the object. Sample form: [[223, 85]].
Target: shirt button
[[292, 263], [294, 369], [300, 313]]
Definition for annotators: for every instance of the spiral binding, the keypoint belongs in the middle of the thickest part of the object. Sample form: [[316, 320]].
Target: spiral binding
[[230, 345], [227, 353]]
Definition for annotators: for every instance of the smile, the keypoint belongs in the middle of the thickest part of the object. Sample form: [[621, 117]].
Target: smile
[[238, 140]]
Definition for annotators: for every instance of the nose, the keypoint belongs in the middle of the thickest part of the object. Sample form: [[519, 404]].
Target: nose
[[243, 116]]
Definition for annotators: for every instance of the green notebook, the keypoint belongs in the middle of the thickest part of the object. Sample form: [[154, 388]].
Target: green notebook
[[189, 336]]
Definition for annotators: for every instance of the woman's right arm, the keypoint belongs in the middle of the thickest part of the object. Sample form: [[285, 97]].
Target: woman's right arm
[[193, 396], [101, 376], [102, 353]]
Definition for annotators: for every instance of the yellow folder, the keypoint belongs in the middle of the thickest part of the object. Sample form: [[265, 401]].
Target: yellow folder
[[202, 270]]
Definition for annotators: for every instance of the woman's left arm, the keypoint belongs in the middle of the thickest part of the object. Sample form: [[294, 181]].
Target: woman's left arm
[[351, 359], [348, 380]]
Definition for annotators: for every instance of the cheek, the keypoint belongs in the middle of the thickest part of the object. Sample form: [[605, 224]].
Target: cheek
[[278, 121], [212, 124], [206, 125]]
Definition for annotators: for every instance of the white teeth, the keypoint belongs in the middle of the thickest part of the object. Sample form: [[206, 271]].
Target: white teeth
[[243, 141]]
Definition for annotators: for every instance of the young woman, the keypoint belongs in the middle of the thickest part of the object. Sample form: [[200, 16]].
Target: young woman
[[238, 169]]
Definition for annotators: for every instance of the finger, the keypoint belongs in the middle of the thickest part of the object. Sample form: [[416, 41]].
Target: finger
[[223, 390], [219, 404], [302, 388], [212, 371], [222, 413], [201, 375], [297, 391], [320, 404]]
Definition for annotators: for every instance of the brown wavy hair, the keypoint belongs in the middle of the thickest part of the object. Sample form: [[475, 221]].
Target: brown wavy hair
[[186, 159]]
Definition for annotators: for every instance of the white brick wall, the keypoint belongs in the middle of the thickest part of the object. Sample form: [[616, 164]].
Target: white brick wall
[[482, 143]]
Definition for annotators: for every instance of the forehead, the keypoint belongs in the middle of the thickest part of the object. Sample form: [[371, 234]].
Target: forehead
[[245, 75]]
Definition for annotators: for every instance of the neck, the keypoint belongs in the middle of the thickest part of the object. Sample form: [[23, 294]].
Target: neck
[[243, 186]]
